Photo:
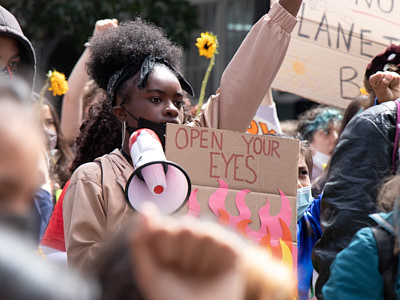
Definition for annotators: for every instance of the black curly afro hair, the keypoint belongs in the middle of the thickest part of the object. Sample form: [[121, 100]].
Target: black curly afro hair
[[129, 44]]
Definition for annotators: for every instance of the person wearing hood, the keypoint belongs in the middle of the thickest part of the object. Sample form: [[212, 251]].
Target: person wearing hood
[[365, 156], [18, 63], [17, 57], [368, 267]]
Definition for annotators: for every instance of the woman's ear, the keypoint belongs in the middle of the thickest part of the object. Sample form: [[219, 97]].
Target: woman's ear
[[120, 113]]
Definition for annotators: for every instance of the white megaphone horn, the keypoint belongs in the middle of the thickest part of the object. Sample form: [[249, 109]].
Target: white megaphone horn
[[155, 179]]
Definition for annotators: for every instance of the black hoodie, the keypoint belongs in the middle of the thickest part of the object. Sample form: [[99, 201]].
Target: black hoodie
[[361, 162], [9, 26]]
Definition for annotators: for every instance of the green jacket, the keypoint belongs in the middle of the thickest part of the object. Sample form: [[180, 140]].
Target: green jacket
[[355, 270]]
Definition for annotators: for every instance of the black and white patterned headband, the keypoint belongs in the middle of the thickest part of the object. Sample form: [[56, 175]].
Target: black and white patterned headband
[[123, 74]]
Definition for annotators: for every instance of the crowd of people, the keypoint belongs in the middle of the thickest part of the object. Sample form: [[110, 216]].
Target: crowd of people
[[68, 232]]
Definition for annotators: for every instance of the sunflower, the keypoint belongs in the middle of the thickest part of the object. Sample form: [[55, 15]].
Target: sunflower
[[58, 83], [207, 44], [363, 91]]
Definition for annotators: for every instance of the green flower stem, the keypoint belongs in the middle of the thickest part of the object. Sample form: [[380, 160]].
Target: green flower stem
[[204, 84], [42, 92], [41, 96]]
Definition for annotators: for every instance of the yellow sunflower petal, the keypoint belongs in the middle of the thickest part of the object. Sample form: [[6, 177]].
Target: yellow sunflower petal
[[58, 83], [207, 44], [363, 91]]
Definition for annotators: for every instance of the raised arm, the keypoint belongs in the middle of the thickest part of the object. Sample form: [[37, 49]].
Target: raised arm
[[72, 110], [249, 75], [386, 86]]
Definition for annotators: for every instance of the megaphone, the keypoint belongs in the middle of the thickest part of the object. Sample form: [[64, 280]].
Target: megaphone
[[155, 179]]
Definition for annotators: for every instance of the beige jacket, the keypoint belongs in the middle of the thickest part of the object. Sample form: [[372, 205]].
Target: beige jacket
[[94, 208]]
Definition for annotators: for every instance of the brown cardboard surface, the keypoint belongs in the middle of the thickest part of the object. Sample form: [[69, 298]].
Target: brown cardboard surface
[[245, 161], [259, 203], [332, 45]]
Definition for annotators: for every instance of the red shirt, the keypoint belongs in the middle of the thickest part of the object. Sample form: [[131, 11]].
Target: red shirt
[[54, 235]]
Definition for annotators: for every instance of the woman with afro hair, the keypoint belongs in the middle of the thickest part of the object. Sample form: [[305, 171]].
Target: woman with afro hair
[[140, 70]]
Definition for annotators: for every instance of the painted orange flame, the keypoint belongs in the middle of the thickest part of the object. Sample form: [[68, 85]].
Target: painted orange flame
[[274, 233]]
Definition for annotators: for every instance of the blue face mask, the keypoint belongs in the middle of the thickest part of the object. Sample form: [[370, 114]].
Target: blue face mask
[[304, 199]]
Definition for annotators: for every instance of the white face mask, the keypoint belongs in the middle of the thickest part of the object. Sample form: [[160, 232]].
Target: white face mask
[[304, 199], [51, 139], [320, 160]]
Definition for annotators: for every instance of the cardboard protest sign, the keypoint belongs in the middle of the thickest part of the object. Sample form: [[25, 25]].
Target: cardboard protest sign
[[261, 126], [332, 45], [246, 181]]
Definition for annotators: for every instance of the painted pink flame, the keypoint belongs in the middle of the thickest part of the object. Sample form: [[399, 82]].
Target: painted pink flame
[[272, 227], [217, 199], [193, 204], [217, 203], [272, 223]]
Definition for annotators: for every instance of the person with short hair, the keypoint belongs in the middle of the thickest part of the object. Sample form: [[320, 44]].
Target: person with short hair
[[319, 126]]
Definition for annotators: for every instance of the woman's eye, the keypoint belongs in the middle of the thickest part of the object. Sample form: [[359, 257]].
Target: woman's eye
[[179, 103], [14, 65], [303, 173], [155, 100], [327, 131], [48, 124]]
